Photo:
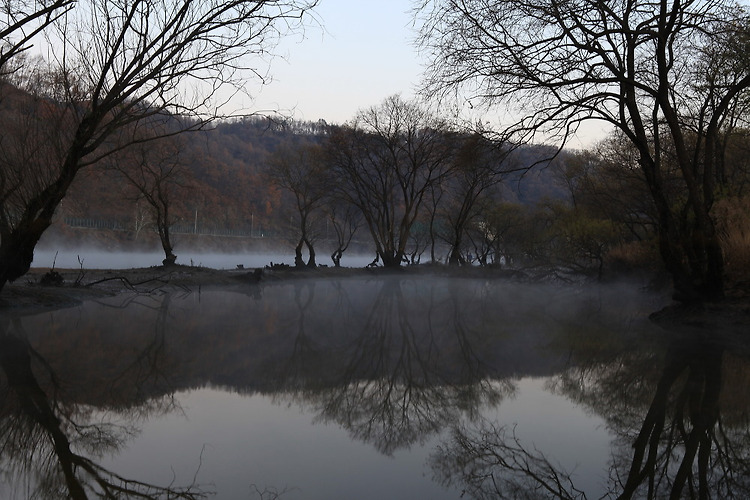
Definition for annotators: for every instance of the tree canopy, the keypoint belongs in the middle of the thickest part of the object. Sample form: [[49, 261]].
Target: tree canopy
[[669, 75], [119, 68]]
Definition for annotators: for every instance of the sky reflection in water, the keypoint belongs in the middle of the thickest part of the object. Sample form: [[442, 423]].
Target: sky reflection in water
[[382, 387]]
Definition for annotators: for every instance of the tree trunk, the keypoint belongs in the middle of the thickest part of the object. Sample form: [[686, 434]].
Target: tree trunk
[[169, 257], [391, 259], [298, 260], [696, 264], [311, 260], [336, 257], [455, 258], [169, 260], [18, 243], [17, 252], [691, 253]]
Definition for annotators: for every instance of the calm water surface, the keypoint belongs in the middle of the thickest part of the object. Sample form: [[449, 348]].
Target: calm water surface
[[382, 387]]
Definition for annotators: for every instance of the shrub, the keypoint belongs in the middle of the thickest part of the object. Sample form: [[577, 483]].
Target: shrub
[[634, 256], [732, 217]]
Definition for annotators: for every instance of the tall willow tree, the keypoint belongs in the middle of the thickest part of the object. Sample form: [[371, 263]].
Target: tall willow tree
[[667, 74], [385, 163], [116, 68]]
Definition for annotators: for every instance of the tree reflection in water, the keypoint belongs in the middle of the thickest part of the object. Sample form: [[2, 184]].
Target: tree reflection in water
[[395, 362], [676, 435], [398, 379], [50, 444]]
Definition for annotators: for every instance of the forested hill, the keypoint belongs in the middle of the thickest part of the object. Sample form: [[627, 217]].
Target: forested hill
[[226, 169]]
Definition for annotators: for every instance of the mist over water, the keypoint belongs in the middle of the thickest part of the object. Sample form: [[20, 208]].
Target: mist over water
[[94, 258], [399, 386]]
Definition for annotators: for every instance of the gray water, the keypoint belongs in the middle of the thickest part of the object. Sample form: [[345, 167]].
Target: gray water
[[380, 387]]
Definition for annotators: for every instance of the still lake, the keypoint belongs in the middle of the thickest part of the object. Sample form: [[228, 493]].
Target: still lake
[[373, 387]]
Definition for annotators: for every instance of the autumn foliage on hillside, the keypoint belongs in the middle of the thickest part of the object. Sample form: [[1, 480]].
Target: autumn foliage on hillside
[[228, 168]]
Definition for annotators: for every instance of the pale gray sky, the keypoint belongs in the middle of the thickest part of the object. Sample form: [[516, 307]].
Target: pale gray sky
[[364, 55], [363, 52]]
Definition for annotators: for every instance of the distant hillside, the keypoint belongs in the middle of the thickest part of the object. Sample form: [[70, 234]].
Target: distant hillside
[[227, 166], [230, 194], [539, 181]]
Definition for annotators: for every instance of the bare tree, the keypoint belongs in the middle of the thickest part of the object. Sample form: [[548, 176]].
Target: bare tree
[[161, 179], [666, 74], [385, 161], [121, 65], [346, 219], [32, 139], [298, 169], [479, 166], [20, 22], [57, 442]]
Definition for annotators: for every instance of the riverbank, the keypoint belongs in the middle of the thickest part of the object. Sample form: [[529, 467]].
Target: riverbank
[[44, 288], [47, 289]]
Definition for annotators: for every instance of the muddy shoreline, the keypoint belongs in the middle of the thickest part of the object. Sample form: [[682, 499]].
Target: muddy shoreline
[[29, 295]]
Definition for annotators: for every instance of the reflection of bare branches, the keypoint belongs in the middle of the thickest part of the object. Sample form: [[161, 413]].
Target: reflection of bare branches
[[662, 401], [151, 301], [673, 449], [304, 366], [267, 493], [387, 414], [664, 408], [398, 381], [489, 462], [149, 364], [475, 369], [389, 395], [40, 436], [161, 281]]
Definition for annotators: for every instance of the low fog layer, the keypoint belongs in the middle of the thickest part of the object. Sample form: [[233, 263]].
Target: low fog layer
[[391, 362], [93, 258]]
